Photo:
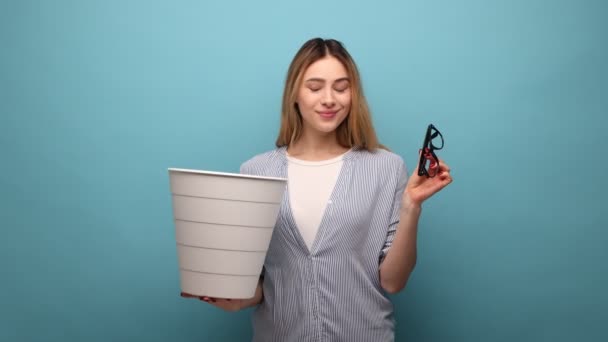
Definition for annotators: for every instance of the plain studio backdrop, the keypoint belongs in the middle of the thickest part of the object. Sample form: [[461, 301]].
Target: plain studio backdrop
[[99, 98]]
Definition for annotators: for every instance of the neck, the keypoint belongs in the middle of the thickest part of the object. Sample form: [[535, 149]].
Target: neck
[[316, 148]]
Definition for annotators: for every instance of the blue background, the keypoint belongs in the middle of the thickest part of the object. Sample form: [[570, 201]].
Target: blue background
[[99, 98]]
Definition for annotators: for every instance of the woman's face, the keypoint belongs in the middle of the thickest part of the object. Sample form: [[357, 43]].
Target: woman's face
[[324, 99]]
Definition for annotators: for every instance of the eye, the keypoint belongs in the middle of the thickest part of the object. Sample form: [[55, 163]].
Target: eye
[[341, 86], [314, 89], [341, 89]]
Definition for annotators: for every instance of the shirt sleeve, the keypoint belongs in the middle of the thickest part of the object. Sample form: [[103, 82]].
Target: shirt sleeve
[[244, 169], [395, 210]]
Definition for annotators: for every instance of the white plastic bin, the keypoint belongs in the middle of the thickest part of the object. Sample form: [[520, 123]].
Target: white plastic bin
[[223, 226]]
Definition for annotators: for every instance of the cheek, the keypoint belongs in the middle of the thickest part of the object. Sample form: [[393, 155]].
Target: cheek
[[305, 100], [346, 100]]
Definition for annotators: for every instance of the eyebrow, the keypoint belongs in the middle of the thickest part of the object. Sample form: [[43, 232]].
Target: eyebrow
[[314, 79]]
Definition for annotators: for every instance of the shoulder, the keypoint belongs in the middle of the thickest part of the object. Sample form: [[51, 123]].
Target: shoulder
[[263, 164], [385, 167], [380, 159]]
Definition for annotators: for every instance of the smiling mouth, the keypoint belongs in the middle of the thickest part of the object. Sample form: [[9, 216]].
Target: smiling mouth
[[328, 114]]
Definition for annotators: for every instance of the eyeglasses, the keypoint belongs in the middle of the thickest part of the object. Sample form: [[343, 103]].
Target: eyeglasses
[[429, 163]]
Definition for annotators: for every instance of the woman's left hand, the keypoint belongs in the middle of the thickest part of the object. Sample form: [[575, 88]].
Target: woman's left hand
[[420, 188]]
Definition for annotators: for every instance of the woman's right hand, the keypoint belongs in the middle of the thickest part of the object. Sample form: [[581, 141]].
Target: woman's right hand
[[222, 303], [231, 304]]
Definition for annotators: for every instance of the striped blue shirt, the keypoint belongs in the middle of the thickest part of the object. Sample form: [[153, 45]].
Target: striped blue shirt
[[332, 292]]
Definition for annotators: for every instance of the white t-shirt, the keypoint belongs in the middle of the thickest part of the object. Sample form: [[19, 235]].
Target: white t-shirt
[[310, 186]]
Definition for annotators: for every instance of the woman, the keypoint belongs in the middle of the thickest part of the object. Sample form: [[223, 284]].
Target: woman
[[346, 232]]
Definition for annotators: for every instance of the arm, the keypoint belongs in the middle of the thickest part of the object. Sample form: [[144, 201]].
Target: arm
[[400, 260]]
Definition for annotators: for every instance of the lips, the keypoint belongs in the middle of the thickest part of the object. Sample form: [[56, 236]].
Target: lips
[[328, 114]]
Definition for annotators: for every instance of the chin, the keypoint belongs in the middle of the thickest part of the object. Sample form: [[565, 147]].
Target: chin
[[327, 127]]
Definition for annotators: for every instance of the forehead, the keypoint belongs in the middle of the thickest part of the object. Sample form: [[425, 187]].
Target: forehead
[[327, 68]]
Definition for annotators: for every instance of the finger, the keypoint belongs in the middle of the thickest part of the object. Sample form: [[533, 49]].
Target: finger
[[223, 300], [187, 295], [217, 300], [443, 166], [445, 178], [208, 299]]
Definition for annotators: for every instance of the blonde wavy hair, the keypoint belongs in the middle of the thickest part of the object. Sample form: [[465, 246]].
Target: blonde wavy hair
[[356, 131]]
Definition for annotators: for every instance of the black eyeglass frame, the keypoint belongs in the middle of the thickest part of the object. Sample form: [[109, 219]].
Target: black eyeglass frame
[[428, 148]]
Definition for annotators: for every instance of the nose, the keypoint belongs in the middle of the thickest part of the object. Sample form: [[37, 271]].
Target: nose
[[328, 99]]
